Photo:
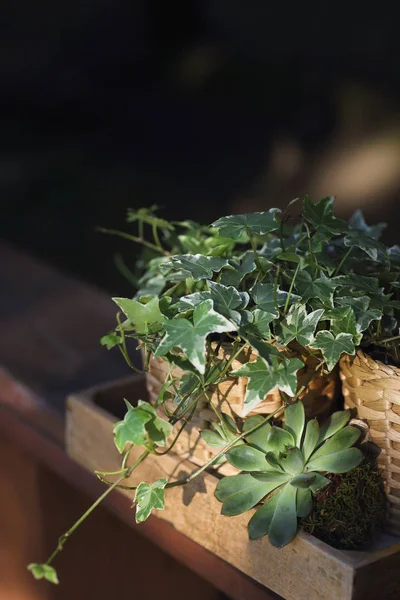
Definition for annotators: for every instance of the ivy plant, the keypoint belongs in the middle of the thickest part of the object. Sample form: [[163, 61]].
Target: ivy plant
[[286, 284]]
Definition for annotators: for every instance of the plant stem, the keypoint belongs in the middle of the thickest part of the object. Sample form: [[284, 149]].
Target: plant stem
[[391, 339], [156, 237], [133, 238], [340, 265], [123, 347], [223, 451], [254, 248], [291, 289]]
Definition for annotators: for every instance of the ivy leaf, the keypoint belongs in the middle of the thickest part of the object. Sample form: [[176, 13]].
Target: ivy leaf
[[157, 429], [236, 270], [321, 288], [359, 282], [196, 266], [258, 223], [110, 340], [267, 299], [343, 320], [333, 347], [43, 571], [191, 337], [263, 378], [152, 286], [227, 299], [394, 253], [357, 222], [142, 316], [132, 429], [141, 425], [365, 243], [364, 315], [299, 325], [320, 215], [260, 324], [149, 497]]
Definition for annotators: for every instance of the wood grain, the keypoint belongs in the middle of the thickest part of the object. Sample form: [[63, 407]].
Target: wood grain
[[306, 568]]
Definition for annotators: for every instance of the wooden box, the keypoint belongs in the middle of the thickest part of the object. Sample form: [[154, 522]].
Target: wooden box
[[305, 569]]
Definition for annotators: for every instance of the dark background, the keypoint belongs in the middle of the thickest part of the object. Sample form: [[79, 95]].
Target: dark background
[[202, 106]]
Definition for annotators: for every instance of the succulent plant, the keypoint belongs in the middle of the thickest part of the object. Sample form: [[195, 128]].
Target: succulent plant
[[286, 465]]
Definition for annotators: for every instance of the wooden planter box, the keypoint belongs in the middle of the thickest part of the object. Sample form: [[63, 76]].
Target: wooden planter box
[[306, 568]]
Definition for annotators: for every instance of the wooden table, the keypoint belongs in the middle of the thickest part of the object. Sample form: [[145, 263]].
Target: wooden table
[[50, 327]]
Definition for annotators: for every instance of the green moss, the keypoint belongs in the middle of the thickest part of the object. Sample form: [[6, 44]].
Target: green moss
[[349, 512]]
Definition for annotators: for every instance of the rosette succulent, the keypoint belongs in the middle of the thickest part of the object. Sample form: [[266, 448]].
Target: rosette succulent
[[285, 466]]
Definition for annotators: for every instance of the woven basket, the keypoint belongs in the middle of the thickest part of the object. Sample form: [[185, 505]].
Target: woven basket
[[319, 400], [373, 388]]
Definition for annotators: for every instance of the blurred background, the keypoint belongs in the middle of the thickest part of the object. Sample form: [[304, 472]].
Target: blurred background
[[201, 106], [204, 107]]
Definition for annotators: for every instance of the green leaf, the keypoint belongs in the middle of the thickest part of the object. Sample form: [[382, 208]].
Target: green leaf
[[236, 270], [43, 571], [110, 340], [258, 438], [343, 320], [191, 338], [280, 440], [149, 497], [311, 438], [264, 378], [342, 440], [283, 525], [340, 462], [258, 223], [304, 502], [157, 429], [334, 423], [195, 265], [246, 458], [332, 347], [321, 288], [293, 462], [132, 429], [320, 215], [227, 299], [364, 315], [269, 299], [365, 243], [213, 438], [357, 221], [260, 325], [260, 522], [294, 420], [299, 325], [239, 493], [303, 480], [142, 316], [319, 483]]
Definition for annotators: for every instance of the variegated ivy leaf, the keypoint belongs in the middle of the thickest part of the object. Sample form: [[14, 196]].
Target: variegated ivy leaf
[[110, 340], [237, 269], [320, 215], [298, 325], [321, 288], [140, 426], [262, 378], [260, 325], [258, 223], [43, 571], [365, 243], [227, 300], [369, 285], [343, 320], [364, 315], [152, 286], [357, 222], [269, 299], [196, 266], [191, 337], [394, 253], [143, 317], [149, 497], [332, 347]]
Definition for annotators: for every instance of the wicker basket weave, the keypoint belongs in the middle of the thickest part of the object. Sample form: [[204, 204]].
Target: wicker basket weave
[[373, 388]]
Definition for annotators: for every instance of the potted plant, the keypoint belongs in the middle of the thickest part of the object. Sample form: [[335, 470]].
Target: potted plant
[[250, 315]]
